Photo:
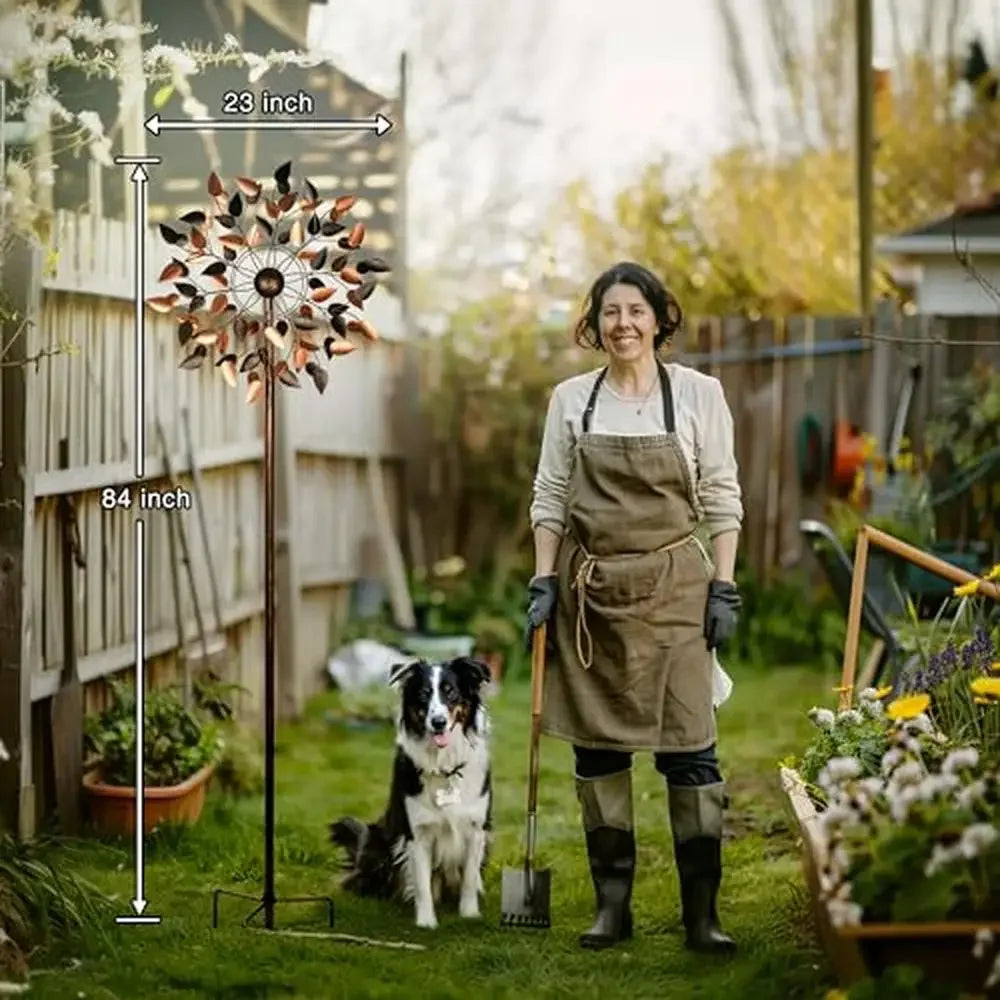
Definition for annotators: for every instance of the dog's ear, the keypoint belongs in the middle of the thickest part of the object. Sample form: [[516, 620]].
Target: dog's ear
[[471, 672], [398, 672]]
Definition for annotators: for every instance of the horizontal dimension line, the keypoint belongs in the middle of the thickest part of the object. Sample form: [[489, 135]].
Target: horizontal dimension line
[[123, 160], [138, 920]]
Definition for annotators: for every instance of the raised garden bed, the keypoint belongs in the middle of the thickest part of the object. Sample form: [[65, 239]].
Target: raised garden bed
[[943, 950], [956, 951]]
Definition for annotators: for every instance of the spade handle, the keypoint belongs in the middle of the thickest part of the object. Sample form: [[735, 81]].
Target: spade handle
[[537, 681]]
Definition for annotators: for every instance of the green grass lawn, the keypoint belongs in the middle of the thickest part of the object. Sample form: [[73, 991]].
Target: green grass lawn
[[326, 769]]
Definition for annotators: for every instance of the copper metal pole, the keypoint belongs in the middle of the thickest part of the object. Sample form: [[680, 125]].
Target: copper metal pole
[[268, 899], [865, 154]]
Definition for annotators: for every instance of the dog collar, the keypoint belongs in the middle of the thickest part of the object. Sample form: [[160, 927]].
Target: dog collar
[[457, 769]]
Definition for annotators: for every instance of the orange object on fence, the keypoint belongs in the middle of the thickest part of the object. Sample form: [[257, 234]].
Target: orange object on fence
[[866, 535], [848, 454]]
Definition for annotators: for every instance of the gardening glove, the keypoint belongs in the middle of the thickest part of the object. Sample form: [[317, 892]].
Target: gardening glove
[[721, 612], [542, 592]]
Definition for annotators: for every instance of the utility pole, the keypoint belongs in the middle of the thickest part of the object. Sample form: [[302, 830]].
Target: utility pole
[[865, 157]]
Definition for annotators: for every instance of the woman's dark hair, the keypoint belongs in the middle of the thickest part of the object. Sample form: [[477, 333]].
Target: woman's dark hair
[[665, 306]]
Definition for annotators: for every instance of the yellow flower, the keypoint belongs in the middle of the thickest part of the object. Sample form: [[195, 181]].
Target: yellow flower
[[858, 488], [904, 462], [883, 692], [994, 573], [986, 687], [995, 665], [908, 707], [980, 700], [966, 589]]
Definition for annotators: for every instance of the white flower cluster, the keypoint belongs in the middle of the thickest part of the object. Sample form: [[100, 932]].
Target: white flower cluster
[[34, 38], [17, 204], [869, 707], [858, 805]]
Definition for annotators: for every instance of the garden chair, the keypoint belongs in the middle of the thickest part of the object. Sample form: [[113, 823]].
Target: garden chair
[[887, 660]]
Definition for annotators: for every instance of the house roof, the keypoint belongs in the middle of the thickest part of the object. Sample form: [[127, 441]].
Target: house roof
[[972, 227]]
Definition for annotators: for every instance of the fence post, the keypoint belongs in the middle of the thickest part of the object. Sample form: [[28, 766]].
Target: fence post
[[22, 297], [881, 374]]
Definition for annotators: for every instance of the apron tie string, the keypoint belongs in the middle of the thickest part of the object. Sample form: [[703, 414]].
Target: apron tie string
[[580, 582], [582, 578]]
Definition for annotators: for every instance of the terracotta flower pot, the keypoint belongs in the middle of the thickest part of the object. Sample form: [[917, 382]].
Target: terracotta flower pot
[[112, 807]]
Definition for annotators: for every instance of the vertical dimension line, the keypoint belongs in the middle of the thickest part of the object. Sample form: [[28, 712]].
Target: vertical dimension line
[[139, 180], [140, 705]]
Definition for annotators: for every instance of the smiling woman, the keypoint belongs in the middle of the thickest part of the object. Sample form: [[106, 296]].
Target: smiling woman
[[625, 478]]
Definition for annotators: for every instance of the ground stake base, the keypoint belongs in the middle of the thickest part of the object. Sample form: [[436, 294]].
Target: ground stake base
[[264, 907]]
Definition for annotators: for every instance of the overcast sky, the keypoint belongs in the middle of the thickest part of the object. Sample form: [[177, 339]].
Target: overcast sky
[[608, 85]]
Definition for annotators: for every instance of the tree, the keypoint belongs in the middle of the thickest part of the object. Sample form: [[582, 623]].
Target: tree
[[770, 227]]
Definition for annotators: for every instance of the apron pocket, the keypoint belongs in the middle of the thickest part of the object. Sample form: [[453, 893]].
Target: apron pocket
[[630, 666], [627, 589]]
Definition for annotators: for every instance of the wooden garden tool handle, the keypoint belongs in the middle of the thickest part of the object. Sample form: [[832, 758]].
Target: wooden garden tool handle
[[537, 680]]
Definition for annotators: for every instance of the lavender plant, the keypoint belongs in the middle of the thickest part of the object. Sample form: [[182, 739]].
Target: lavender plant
[[956, 668]]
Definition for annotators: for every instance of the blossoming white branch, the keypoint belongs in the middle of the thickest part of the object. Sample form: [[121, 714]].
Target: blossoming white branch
[[36, 41]]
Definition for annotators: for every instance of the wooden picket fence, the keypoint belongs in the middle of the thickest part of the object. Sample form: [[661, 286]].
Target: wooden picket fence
[[338, 462]]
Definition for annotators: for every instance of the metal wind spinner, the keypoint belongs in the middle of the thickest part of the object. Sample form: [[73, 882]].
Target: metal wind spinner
[[255, 294], [256, 289]]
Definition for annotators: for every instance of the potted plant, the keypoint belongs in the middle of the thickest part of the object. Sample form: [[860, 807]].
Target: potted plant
[[180, 754]]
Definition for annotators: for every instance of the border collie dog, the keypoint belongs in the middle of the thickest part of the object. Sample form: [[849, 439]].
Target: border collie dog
[[431, 843]]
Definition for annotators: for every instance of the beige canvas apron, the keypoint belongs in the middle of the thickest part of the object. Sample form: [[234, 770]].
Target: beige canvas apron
[[632, 670]]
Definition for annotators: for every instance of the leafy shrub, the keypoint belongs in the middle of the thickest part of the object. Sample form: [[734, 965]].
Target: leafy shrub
[[777, 626], [176, 743]]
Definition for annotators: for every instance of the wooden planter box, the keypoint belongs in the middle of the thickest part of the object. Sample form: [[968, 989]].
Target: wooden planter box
[[112, 807], [942, 950]]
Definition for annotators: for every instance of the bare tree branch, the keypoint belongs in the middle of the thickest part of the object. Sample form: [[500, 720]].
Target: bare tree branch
[[739, 66]]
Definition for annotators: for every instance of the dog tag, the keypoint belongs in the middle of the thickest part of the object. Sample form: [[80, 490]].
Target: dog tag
[[446, 796]]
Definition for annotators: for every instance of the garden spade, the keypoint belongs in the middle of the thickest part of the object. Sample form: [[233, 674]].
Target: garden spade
[[525, 891]]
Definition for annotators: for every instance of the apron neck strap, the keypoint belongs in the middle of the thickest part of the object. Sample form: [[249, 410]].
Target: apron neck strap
[[669, 422]]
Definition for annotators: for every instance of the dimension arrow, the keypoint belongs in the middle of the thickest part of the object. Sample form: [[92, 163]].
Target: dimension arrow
[[379, 125], [139, 177], [138, 916]]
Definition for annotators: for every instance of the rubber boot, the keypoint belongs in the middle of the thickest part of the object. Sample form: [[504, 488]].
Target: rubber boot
[[606, 812], [696, 821]]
